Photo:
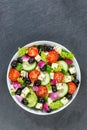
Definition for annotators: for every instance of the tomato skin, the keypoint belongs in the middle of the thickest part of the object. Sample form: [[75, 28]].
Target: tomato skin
[[13, 74], [71, 87], [52, 56], [43, 91], [33, 75], [58, 76], [33, 51]]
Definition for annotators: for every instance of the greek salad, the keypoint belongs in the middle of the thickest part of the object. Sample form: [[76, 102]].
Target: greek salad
[[43, 77]]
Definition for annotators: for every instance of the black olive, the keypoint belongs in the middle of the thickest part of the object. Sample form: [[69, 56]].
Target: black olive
[[74, 75], [76, 81], [54, 88], [69, 96], [25, 102], [41, 47], [14, 63], [27, 80], [18, 91], [41, 100], [31, 60], [19, 59], [43, 68], [37, 83], [49, 48], [60, 58]]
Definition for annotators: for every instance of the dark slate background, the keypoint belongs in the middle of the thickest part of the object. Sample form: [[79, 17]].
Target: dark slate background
[[24, 21]]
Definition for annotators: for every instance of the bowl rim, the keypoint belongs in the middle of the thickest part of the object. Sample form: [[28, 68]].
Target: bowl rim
[[39, 112]]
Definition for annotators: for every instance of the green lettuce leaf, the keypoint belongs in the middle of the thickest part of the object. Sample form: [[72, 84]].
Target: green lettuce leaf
[[43, 56], [22, 51], [66, 54]]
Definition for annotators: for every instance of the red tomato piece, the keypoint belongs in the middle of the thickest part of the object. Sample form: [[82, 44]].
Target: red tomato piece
[[33, 51], [42, 92], [52, 56], [59, 76], [13, 74], [71, 87], [33, 75]]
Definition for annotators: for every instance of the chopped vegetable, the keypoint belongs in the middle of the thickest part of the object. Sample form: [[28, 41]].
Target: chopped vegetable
[[22, 51], [54, 96], [71, 87], [52, 56], [68, 61], [19, 98], [58, 76], [41, 64], [49, 68], [33, 75], [25, 57], [13, 74], [21, 81], [56, 105], [53, 82], [45, 107], [43, 56], [66, 54], [16, 85], [19, 66], [32, 51]]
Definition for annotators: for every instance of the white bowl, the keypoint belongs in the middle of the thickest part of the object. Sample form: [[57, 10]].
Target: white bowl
[[35, 111]]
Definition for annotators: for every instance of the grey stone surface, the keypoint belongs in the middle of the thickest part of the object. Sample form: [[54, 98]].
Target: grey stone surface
[[24, 21]]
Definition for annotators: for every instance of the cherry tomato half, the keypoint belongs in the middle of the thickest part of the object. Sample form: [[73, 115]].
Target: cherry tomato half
[[32, 51], [58, 76], [52, 56], [33, 75], [14, 74], [71, 87], [42, 92]]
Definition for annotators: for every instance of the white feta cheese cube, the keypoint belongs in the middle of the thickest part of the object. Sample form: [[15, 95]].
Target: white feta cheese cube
[[59, 86], [39, 105], [24, 73], [67, 78], [64, 100], [58, 49], [54, 65], [38, 58], [24, 92], [52, 75], [72, 70], [41, 76], [49, 101]]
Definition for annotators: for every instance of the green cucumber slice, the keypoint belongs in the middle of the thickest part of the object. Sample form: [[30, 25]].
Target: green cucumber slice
[[29, 67], [62, 92], [56, 105], [64, 65], [46, 80], [32, 99]]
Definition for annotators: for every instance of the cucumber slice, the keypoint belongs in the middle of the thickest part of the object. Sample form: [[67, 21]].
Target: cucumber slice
[[29, 67], [46, 80], [64, 65], [32, 99], [56, 105], [62, 92]]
